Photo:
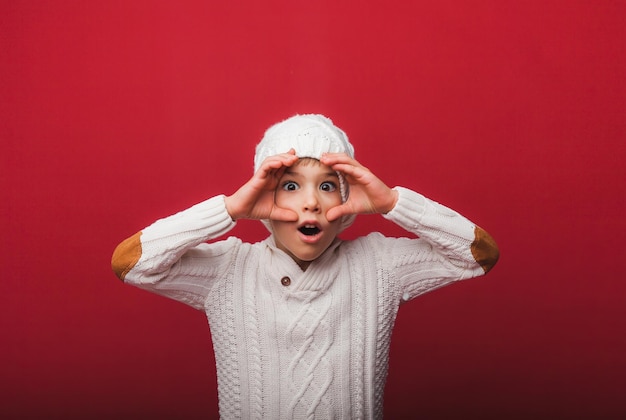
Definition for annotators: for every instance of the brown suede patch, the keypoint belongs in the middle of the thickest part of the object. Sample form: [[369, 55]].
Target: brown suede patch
[[484, 249], [126, 255]]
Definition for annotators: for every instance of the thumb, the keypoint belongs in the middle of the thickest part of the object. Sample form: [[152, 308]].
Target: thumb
[[338, 211], [283, 215]]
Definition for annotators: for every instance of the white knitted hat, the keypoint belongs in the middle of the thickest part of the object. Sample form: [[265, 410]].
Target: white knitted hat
[[310, 135]]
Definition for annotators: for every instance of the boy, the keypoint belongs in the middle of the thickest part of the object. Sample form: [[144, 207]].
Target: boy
[[301, 322]]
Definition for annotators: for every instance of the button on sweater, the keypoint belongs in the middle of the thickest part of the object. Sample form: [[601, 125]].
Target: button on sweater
[[303, 344]]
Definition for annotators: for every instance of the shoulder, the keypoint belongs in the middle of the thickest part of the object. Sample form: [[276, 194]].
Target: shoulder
[[386, 249], [224, 250], [371, 242]]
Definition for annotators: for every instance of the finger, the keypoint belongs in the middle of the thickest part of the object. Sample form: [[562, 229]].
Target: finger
[[352, 172], [277, 161], [335, 158], [280, 163], [341, 162], [286, 161], [287, 156]]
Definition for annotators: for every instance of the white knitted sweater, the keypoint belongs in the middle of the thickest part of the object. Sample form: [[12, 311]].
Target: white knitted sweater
[[292, 344]]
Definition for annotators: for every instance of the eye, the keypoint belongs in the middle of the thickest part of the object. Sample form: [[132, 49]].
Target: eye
[[328, 186], [290, 186]]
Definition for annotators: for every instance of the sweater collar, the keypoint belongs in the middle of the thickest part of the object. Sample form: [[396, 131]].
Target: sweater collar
[[318, 276]]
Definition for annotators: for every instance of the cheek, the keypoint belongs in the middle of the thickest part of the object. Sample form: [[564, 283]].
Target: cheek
[[278, 229], [333, 200], [280, 198]]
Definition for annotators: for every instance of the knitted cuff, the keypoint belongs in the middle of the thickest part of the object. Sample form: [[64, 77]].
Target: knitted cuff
[[409, 209]]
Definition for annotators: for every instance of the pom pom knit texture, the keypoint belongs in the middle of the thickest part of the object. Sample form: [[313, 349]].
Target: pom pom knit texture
[[318, 347]]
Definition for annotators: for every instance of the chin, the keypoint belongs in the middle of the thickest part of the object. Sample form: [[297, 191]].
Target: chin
[[307, 258]]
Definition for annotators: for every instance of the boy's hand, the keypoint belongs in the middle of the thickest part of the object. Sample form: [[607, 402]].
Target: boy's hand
[[255, 199], [368, 194]]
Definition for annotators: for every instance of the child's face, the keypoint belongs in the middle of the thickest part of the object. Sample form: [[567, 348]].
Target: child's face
[[308, 188]]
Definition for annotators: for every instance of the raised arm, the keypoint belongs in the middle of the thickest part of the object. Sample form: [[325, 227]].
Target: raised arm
[[160, 245], [435, 223], [449, 247], [171, 257], [463, 243], [156, 248]]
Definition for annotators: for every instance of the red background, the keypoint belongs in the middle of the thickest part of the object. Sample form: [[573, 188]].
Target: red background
[[116, 113]]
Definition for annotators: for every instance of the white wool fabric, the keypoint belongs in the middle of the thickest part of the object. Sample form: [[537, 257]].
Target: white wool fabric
[[310, 135], [293, 344]]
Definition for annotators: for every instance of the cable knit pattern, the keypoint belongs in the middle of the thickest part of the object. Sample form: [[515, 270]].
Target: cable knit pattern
[[309, 338], [357, 335], [224, 341], [387, 298], [315, 346], [253, 348]]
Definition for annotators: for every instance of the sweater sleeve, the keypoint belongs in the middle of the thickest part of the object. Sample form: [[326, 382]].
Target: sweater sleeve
[[449, 247], [170, 257]]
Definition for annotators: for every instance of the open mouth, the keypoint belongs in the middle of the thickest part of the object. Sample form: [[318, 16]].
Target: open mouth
[[309, 230]]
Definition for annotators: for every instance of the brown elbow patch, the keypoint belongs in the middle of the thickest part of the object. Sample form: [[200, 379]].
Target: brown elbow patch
[[126, 255], [484, 249]]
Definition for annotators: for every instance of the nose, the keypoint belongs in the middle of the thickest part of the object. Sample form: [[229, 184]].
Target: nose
[[311, 201]]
